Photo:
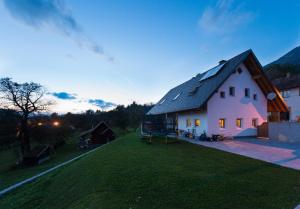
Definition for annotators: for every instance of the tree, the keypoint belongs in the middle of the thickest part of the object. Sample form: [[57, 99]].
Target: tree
[[26, 99], [275, 71], [8, 126], [120, 116]]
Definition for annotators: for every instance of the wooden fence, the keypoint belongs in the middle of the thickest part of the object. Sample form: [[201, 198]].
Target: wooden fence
[[263, 130]]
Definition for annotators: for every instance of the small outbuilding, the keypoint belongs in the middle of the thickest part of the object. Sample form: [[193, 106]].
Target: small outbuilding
[[100, 134], [37, 155]]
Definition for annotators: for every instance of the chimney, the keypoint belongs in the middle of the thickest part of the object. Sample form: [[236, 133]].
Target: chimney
[[222, 62]]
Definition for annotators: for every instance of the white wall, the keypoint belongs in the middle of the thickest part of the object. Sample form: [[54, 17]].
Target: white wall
[[238, 106], [182, 118], [293, 101]]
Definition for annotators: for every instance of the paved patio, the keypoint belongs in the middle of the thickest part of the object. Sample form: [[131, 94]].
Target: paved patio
[[284, 154]]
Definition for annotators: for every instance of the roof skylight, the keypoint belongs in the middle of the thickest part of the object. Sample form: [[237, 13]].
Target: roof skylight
[[212, 72], [162, 101], [194, 90], [176, 96]]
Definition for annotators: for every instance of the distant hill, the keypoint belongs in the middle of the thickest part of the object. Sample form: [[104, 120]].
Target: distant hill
[[285, 71], [291, 58]]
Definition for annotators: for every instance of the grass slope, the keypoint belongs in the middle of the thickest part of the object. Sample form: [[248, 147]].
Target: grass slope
[[11, 174], [130, 174]]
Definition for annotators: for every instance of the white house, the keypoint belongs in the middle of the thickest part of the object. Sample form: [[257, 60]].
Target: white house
[[290, 91], [229, 99]]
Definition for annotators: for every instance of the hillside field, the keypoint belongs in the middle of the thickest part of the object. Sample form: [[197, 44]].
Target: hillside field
[[128, 173]]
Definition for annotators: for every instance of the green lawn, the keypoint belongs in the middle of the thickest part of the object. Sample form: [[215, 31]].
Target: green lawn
[[10, 173], [130, 174]]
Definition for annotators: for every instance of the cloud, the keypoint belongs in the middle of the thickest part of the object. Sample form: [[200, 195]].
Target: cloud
[[68, 102], [224, 18], [64, 95], [70, 56], [102, 104], [53, 13]]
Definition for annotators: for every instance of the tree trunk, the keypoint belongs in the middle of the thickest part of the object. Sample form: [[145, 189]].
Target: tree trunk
[[24, 136]]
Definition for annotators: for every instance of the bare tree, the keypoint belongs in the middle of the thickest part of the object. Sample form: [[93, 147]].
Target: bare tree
[[25, 98]]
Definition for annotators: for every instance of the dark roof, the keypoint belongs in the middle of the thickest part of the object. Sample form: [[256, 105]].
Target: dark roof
[[102, 125], [37, 151], [195, 93], [287, 83]]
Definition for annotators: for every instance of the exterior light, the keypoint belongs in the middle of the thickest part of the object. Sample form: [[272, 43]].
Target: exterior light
[[40, 123], [55, 123]]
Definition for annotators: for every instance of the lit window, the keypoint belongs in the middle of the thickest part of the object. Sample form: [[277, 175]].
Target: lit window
[[197, 122], [188, 123], [222, 94], [247, 92], [255, 122], [254, 96], [222, 123], [162, 101], [232, 91], [238, 123], [176, 96]]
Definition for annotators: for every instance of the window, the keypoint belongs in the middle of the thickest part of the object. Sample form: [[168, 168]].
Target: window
[[231, 91], [247, 92], [162, 101], [285, 94], [222, 123], [176, 96], [194, 91], [188, 123], [222, 94], [239, 122], [197, 122], [239, 70], [254, 96], [212, 72], [255, 122]]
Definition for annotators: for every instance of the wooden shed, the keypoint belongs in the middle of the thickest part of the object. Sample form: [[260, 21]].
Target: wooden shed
[[37, 155], [100, 134]]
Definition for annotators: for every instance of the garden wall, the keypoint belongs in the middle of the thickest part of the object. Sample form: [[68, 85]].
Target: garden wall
[[285, 131]]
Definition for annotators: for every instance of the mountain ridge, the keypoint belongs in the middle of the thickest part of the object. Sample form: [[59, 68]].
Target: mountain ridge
[[285, 71], [290, 58]]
